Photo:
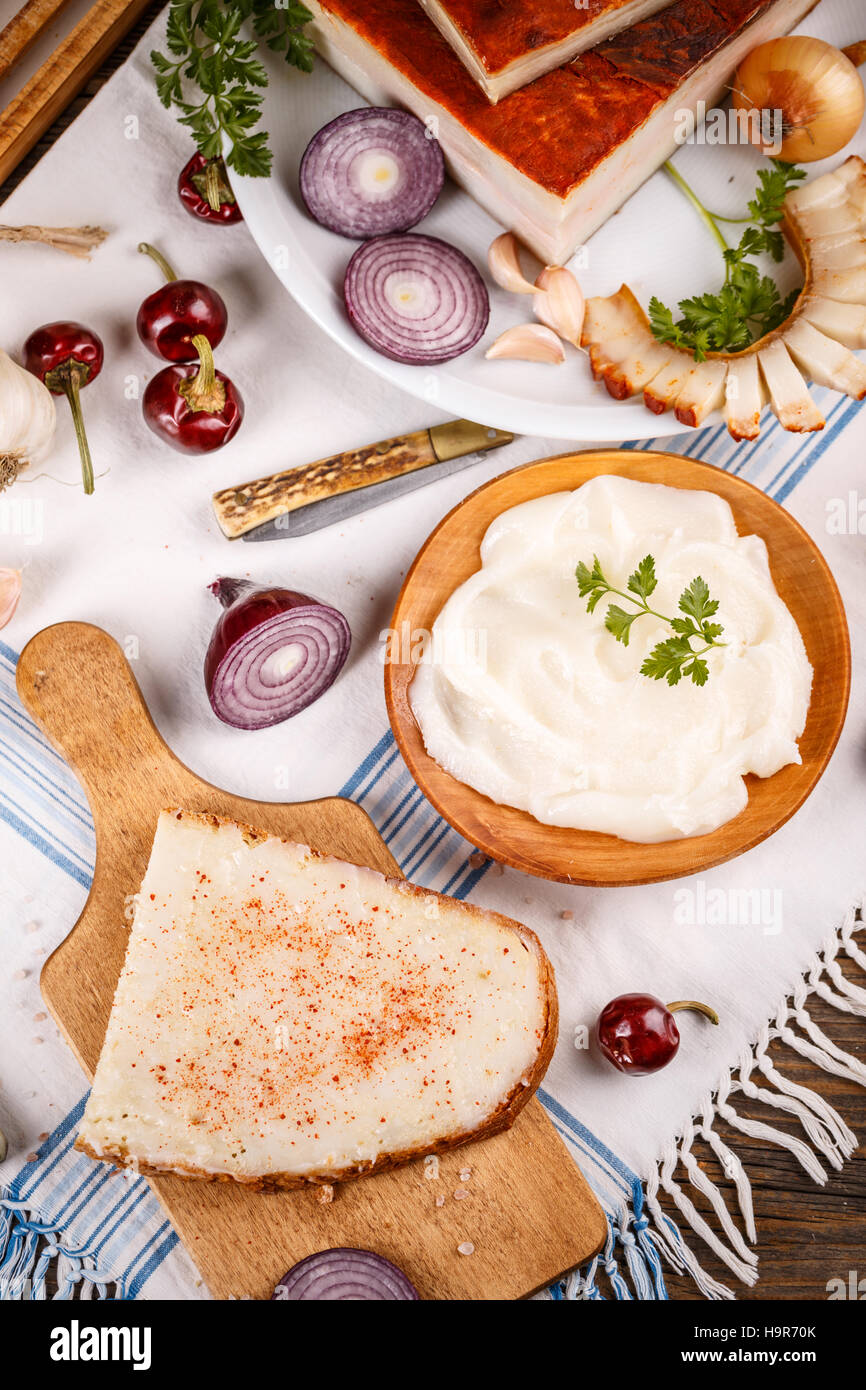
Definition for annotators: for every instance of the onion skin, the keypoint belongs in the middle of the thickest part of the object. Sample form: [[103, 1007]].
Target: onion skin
[[247, 610], [345, 1275], [817, 89]]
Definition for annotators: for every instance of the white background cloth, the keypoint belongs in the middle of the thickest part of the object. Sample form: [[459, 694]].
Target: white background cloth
[[136, 559]]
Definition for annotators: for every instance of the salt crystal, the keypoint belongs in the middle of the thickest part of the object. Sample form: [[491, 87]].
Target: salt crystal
[[39, 1018], [31, 926], [465, 1174], [325, 1194], [38, 1040], [32, 1158], [431, 1167], [440, 1201], [460, 1193], [466, 1248], [567, 916], [20, 975], [43, 1136]]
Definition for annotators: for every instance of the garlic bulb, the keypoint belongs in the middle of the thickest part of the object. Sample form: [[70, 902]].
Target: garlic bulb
[[528, 342], [27, 419], [503, 259], [10, 592], [559, 303]]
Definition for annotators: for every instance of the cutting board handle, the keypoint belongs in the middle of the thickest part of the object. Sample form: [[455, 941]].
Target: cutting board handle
[[78, 686]]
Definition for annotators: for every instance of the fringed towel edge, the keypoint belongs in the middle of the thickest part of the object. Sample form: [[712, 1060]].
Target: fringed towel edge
[[29, 1246], [644, 1241]]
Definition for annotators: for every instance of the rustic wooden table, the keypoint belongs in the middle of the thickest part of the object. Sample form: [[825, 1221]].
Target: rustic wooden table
[[807, 1234]]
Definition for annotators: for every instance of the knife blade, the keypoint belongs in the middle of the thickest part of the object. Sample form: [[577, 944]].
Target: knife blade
[[332, 510], [248, 506]]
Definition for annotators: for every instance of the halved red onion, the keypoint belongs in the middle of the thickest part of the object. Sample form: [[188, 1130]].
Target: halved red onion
[[345, 1275], [371, 171], [415, 298], [272, 653]]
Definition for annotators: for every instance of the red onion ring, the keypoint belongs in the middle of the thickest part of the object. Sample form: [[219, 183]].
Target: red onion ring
[[345, 1275], [371, 171], [415, 298], [272, 653]]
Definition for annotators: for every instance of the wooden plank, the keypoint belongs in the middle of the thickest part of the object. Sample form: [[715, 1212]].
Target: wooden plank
[[24, 28], [79, 55], [530, 1214]]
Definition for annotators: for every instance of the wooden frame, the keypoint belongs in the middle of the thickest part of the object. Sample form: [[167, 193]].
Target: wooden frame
[[62, 76]]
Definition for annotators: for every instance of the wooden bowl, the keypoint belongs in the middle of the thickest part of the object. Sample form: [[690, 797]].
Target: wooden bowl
[[801, 575]]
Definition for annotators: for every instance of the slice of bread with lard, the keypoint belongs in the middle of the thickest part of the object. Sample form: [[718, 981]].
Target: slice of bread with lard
[[285, 1018]]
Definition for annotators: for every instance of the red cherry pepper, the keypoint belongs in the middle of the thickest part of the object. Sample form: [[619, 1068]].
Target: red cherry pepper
[[169, 319], [205, 191], [67, 356], [196, 410], [637, 1032]]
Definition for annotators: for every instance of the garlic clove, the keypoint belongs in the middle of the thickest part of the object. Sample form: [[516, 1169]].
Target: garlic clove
[[503, 259], [560, 303], [528, 342], [10, 593]]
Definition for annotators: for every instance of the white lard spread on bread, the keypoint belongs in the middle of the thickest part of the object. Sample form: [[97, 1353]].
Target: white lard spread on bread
[[526, 697]]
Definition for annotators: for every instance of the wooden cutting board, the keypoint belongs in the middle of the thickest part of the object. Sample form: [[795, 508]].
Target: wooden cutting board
[[530, 1214]]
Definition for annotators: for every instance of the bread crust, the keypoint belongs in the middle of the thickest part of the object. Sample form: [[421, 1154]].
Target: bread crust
[[501, 1119]]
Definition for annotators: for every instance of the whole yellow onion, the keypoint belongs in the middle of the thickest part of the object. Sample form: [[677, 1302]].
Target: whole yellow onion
[[815, 89]]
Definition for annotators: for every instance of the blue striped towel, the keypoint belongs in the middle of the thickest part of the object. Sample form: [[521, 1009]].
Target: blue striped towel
[[106, 1232]]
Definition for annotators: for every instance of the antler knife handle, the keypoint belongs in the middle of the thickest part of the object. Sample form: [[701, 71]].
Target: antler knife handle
[[240, 509]]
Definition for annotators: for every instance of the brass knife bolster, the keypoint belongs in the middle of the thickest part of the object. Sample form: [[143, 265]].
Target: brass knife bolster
[[242, 508]]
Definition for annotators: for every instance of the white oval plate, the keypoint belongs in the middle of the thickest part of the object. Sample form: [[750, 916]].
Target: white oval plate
[[656, 243]]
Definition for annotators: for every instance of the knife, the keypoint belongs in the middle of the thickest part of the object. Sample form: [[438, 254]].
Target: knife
[[301, 500]]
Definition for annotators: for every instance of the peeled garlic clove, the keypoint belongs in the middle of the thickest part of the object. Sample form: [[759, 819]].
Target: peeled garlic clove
[[10, 593], [528, 342], [560, 303], [503, 259]]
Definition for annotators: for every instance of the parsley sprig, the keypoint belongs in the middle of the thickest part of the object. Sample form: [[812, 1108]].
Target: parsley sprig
[[675, 657], [213, 74], [749, 304]]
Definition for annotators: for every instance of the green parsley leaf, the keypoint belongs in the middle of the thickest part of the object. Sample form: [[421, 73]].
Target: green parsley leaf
[[619, 622], [748, 305], [643, 581], [674, 658], [215, 78]]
